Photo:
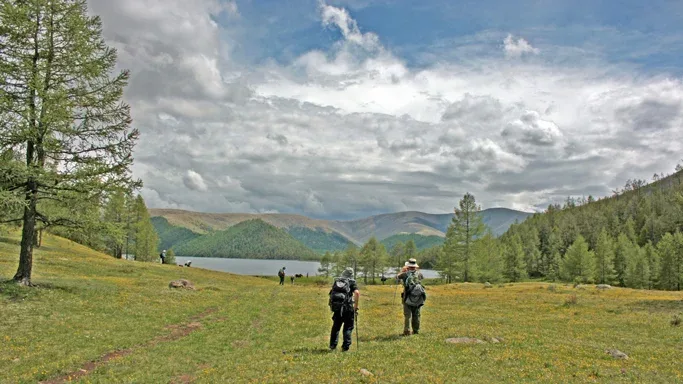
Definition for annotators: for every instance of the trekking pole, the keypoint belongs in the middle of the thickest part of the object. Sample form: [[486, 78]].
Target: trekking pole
[[357, 344]]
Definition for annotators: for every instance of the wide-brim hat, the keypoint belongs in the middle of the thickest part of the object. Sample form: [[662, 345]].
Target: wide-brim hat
[[411, 263]]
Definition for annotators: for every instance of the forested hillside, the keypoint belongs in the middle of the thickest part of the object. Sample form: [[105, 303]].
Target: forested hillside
[[170, 235], [251, 239], [631, 239], [318, 239], [421, 242]]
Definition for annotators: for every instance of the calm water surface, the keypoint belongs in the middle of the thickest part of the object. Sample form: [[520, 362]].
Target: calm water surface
[[263, 267]]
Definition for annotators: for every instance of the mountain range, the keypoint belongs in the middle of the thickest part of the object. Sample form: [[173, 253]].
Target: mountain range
[[177, 228]]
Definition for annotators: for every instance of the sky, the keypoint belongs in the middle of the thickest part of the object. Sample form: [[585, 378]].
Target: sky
[[342, 109]]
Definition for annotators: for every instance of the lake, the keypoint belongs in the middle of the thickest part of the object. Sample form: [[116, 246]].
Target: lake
[[256, 267]]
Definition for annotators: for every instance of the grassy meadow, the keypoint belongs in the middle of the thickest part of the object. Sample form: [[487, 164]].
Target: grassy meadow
[[94, 319]]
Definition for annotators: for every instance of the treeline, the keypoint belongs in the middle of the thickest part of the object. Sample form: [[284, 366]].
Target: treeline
[[371, 261], [251, 239], [632, 239]]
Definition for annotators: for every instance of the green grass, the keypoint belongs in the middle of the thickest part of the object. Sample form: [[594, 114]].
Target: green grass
[[87, 305]]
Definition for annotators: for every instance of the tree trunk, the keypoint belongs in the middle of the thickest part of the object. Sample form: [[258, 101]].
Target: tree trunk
[[23, 275]]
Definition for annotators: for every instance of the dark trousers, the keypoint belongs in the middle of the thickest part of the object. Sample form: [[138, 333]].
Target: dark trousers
[[346, 318], [282, 280], [411, 315]]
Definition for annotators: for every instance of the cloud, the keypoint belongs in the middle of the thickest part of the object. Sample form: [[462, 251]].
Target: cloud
[[348, 128], [194, 181], [517, 48]]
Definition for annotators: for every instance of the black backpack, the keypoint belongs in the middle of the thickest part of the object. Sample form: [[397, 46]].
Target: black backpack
[[340, 294]]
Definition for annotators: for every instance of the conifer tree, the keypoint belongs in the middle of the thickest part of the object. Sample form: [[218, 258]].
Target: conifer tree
[[61, 111], [466, 226], [604, 259]]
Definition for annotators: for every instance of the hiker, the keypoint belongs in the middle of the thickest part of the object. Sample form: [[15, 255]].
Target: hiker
[[163, 256], [343, 303], [281, 273], [413, 296]]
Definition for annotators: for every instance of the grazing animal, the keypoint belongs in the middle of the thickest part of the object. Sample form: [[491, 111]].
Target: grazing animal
[[298, 275], [384, 278], [188, 263], [292, 278]]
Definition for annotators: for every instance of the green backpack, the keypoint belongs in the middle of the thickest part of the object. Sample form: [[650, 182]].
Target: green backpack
[[414, 293]]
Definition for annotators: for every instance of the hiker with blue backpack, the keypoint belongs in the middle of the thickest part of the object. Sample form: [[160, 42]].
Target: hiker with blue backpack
[[413, 296], [343, 303]]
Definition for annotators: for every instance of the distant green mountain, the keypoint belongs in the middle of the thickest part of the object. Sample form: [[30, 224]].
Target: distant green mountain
[[421, 241], [319, 240], [251, 239], [170, 235]]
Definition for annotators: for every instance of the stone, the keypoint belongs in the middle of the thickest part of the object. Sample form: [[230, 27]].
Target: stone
[[617, 354], [603, 286], [182, 283], [365, 372], [488, 285]]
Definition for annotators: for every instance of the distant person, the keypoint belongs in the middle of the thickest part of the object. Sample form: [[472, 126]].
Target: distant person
[[281, 273], [163, 256], [413, 296], [343, 302], [292, 279]]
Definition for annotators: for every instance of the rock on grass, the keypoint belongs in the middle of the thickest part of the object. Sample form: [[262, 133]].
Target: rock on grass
[[617, 354], [182, 283]]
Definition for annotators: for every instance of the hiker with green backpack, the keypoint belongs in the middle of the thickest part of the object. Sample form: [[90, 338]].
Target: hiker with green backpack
[[413, 296]]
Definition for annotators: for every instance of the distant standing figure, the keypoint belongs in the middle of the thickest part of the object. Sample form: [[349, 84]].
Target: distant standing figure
[[413, 296], [281, 273], [292, 279], [163, 256], [307, 275]]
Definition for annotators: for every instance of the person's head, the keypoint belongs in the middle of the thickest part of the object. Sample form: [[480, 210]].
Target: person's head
[[164, 251], [284, 267], [412, 264], [348, 273]]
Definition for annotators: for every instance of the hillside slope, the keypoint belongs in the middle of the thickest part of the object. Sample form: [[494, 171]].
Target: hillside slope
[[251, 239]]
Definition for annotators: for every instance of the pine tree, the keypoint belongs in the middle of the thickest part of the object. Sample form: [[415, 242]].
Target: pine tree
[[513, 260], [397, 254], [604, 259], [170, 257], [350, 258], [115, 221], [466, 226], [59, 105], [622, 253], [554, 266], [487, 261], [325, 264], [670, 249], [638, 270], [146, 238], [578, 262], [410, 249], [652, 257]]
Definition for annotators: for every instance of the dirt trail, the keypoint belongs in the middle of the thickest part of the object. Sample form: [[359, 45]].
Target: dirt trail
[[178, 331]]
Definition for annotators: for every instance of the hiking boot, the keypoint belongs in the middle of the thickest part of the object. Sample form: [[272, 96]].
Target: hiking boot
[[406, 333], [415, 332]]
